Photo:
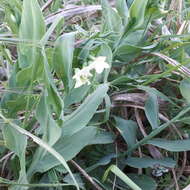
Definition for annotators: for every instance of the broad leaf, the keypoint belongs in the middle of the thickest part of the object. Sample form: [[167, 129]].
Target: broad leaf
[[51, 130], [151, 110], [123, 11], [112, 21], [127, 129], [76, 95], [17, 143], [185, 89], [103, 137], [137, 13], [69, 147], [156, 92], [102, 162], [143, 181], [82, 115], [63, 58]]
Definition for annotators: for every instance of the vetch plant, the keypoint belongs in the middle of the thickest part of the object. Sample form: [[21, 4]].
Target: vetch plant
[[125, 107]]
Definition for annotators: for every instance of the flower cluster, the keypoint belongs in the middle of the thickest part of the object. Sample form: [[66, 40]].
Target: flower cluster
[[82, 76]]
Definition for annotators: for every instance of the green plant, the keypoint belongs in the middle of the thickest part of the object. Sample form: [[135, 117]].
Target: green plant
[[115, 97]]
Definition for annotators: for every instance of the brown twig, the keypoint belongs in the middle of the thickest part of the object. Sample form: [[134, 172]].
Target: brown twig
[[140, 171], [136, 98], [139, 122], [5, 159], [6, 156], [47, 4], [175, 179], [71, 12], [153, 150], [174, 63], [83, 172]]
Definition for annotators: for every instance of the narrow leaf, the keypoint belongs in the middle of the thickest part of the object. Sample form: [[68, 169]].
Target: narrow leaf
[[146, 162], [171, 145], [122, 176], [32, 28], [50, 30]]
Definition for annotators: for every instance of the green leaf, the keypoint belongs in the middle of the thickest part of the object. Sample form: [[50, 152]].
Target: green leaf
[[127, 129], [82, 115], [47, 35], [103, 137], [63, 58], [122, 176], [76, 95], [32, 28], [102, 162], [137, 13], [112, 21], [143, 181], [67, 179], [18, 103], [17, 143], [11, 20], [149, 162], [151, 110], [54, 99], [185, 89], [43, 144], [69, 147], [106, 51], [171, 145], [26, 76], [156, 92], [51, 130], [127, 51], [123, 11]]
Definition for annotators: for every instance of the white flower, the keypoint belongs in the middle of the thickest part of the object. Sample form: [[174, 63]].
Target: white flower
[[82, 76], [99, 64]]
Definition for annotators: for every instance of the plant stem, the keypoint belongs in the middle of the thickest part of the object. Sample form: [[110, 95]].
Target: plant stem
[[89, 178]]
